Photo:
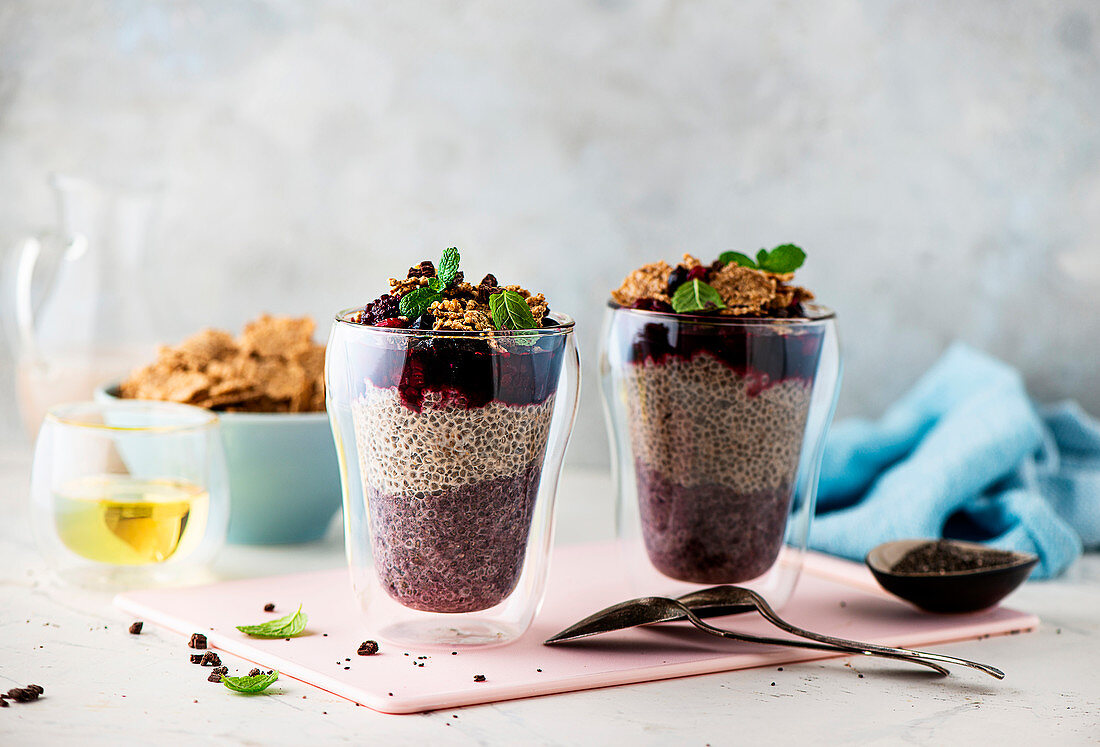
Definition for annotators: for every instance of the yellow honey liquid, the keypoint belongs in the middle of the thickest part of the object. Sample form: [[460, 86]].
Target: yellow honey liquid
[[123, 520]]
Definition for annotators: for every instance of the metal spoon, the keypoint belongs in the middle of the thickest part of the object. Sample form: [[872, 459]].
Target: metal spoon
[[738, 597], [648, 610]]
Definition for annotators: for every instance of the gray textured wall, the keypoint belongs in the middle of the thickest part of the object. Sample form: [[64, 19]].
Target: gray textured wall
[[940, 161]]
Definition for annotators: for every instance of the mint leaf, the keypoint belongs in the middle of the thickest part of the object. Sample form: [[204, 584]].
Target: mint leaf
[[284, 627], [695, 295], [510, 311], [254, 684], [416, 302], [761, 257], [783, 259], [738, 258], [437, 285], [448, 266]]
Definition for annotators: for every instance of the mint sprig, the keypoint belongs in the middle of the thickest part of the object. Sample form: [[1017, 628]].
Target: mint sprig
[[784, 259], [695, 295], [510, 311], [737, 258], [250, 684], [284, 627], [416, 302], [448, 267]]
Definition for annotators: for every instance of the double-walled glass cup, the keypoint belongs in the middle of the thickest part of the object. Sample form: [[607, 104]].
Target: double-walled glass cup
[[129, 493], [717, 425], [450, 446]]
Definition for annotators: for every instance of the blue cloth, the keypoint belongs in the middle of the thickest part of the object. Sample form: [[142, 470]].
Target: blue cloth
[[966, 455]]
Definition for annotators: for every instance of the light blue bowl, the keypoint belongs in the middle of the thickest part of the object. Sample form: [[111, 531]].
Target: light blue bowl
[[284, 481]]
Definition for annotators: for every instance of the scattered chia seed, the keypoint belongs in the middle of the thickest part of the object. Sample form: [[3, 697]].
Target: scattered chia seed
[[479, 678], [368, 648], [269, 607]]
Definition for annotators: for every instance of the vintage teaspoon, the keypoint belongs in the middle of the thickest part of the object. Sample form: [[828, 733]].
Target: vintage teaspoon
[[648, 610], [739, 597]]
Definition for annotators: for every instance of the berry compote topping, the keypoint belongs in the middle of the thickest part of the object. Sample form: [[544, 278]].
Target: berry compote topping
[[464, 371]]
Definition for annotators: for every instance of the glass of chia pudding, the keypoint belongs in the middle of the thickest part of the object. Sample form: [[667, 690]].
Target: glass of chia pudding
[[719, 384], [451, 406]]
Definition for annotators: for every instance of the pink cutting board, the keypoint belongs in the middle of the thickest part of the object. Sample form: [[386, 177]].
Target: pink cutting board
[[392, 682]]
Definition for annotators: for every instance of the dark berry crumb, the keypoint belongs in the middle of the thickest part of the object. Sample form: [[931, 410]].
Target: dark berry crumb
[[135, 628], [479, 678], [269, 607], [214, 677], [196, 658], [254, 671], [368, 648], [198, 640], [210, 659]]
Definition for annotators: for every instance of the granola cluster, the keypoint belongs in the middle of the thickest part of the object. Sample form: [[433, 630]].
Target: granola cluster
[[745, 291], [274, 366], [461, 306]]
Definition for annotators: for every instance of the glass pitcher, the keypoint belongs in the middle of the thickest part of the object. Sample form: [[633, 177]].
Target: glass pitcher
[[75, 307]]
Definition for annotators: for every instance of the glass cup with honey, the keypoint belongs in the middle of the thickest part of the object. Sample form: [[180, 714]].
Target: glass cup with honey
[[129, 493]]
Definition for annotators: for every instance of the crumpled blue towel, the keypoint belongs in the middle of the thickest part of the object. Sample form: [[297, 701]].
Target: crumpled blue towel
[[964, 454]]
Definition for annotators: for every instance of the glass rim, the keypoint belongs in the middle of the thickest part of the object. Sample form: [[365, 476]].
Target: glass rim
[[67, 414], [565, 327], [820, 314]]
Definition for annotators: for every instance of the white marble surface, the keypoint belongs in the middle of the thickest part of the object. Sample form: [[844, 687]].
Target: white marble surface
[[104, 686], [940, 161]]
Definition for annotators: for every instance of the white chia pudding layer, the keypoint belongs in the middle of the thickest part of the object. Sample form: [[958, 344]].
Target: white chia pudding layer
[[404, 452], [451, 493], [697, 422]]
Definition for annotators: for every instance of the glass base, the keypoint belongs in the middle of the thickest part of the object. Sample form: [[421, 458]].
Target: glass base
[[449, 634], [130, 578]]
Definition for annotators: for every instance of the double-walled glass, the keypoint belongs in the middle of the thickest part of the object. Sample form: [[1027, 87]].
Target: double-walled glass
[[717, 426], [450, 446], [129, 493]]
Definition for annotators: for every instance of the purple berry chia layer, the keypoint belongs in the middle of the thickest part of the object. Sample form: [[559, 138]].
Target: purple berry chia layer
[[461, 550], [450, 493], [710, 534]]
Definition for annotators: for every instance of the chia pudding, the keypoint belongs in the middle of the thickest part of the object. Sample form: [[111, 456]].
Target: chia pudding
[[717, 393], [451, 422]]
